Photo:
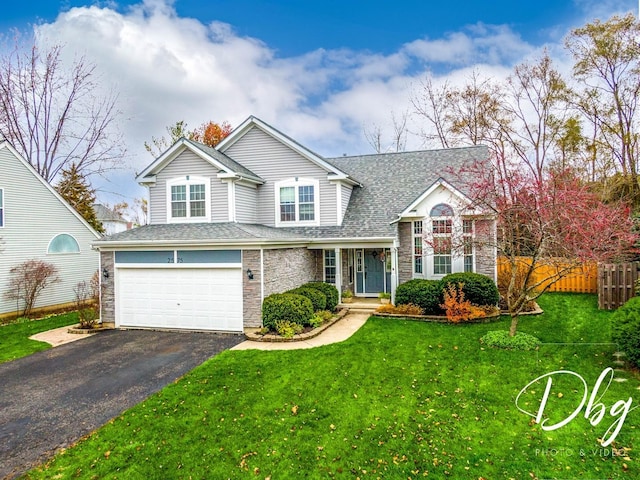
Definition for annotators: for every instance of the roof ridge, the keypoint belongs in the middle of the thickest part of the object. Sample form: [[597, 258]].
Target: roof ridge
[[431, 150]]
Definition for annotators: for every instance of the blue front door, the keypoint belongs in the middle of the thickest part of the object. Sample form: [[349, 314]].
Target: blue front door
[[374, 271]]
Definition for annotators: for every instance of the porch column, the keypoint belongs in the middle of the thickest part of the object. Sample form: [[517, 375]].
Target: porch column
[[339, 273], [394, 270]]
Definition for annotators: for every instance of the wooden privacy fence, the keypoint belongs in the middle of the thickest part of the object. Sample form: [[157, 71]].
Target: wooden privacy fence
[[583, 279], [616, 284]]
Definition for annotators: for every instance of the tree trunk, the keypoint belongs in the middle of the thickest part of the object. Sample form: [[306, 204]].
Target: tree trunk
[[514, 325]]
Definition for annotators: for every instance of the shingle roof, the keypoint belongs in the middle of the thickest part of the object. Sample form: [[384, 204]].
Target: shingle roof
[[201, 232], [104, 214], [228, 162], [392, 181]]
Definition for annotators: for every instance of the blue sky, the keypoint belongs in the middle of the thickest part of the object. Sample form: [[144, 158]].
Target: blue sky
[[322, 72]]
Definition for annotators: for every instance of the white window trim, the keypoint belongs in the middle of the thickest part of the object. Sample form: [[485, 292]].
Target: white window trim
[[298, 182], [63, 253], [472, 236], [325, 266], [2, 208], [414, 235], [188, 181]]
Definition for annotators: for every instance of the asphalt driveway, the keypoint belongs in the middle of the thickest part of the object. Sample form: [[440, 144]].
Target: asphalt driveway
[[50, 399]]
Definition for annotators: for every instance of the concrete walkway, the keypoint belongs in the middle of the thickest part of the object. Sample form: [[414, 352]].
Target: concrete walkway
[[337, 332]]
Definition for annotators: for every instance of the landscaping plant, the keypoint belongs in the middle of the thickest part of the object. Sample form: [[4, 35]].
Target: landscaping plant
[[329, 290], [28, 280], [456, 307], [286, 307]]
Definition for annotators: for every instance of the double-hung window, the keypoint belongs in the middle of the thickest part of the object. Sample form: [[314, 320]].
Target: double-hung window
[[1, 207], [188, 200], [330, 266], [467, 244], [297, 202]]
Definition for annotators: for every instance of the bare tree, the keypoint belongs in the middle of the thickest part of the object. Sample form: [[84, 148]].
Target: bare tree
[[607, 63], [28, 280], [54, 116], [431, 102], [375, 134]]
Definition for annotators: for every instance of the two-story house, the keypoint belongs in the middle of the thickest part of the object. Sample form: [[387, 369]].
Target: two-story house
[[261, 213]]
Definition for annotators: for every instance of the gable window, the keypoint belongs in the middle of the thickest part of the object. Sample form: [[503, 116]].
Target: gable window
[[188, 199], [442, 230], [417, 247], [330, 266], [1, 207], [297, 202], [63, 243]]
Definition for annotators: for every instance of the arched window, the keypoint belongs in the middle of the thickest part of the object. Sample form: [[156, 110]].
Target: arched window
[[442, 231], [63, 243]]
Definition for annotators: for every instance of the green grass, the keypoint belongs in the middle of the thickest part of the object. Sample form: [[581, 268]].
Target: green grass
[[14, 337], [400, 399]]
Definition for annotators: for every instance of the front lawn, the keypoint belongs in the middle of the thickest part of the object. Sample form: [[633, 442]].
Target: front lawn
[[14, 337], [400, 399]]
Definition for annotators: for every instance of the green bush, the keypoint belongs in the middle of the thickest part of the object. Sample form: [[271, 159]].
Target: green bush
[[326, 315], [330, 291], [426, 294], [286, 306], [478, 289], [501, 339], [318, 298], [625, 329], [287, 329]]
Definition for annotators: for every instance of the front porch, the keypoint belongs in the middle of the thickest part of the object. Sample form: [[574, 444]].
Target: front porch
[[365, 271]]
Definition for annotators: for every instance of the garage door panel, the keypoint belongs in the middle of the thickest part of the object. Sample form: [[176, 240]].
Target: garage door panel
[[189, 298]]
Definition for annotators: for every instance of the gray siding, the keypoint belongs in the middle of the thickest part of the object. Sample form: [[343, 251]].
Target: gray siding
[[188, 163], [274, 161], [246, 204], [33, 216], [346, 196]]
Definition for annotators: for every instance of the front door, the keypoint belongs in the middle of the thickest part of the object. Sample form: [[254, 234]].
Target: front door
[[374, 271]]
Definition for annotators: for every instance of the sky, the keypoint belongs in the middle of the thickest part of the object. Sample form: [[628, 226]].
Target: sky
[[321, 72]]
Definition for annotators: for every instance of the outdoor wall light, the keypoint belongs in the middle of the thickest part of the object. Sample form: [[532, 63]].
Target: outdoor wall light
[[105, 272], [249, 274]]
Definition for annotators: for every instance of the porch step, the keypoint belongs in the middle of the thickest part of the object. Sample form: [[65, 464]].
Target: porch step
[[360, 306]]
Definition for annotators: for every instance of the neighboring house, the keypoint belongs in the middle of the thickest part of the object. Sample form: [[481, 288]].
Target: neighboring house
[[112, 222], [36, 223], [261, 214]]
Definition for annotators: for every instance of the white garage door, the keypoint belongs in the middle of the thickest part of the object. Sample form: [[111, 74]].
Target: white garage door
[[186, 298]]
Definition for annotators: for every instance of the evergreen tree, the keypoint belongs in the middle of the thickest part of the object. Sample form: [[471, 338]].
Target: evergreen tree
[[75, 189]]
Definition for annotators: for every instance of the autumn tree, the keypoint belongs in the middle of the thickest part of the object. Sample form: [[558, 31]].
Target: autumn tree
[[546, 229], [57, 115], [209, 133], [75, 189]]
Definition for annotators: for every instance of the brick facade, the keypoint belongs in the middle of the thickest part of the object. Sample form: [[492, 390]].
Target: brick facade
[[251, 289], [107, 289], [288, 268]]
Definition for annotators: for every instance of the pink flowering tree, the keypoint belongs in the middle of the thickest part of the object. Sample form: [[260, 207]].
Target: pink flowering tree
[[547, 229]]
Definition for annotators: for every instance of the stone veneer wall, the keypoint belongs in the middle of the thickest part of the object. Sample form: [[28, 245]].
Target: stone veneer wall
[[485, 248], [107, 289], [288, 268], [251, 289], [405, 252]]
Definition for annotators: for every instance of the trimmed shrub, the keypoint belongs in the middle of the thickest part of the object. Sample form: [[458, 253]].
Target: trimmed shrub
[[318, 299], [286, 306], [330, 291], [326, 315], [478, 289], [501, 339], [625, 329], [426, 294], [456, 307]]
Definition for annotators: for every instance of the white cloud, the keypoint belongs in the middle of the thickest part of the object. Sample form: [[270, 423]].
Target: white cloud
[[169, 68]]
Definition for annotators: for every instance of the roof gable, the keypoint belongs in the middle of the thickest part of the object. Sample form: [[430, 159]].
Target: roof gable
[[4, 144], [253, 122], [227, 166]]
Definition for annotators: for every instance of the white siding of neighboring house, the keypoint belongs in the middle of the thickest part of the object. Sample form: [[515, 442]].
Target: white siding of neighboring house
[[273, 161], [113, 226], [33, 216], [246, 203], [188, 163]]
